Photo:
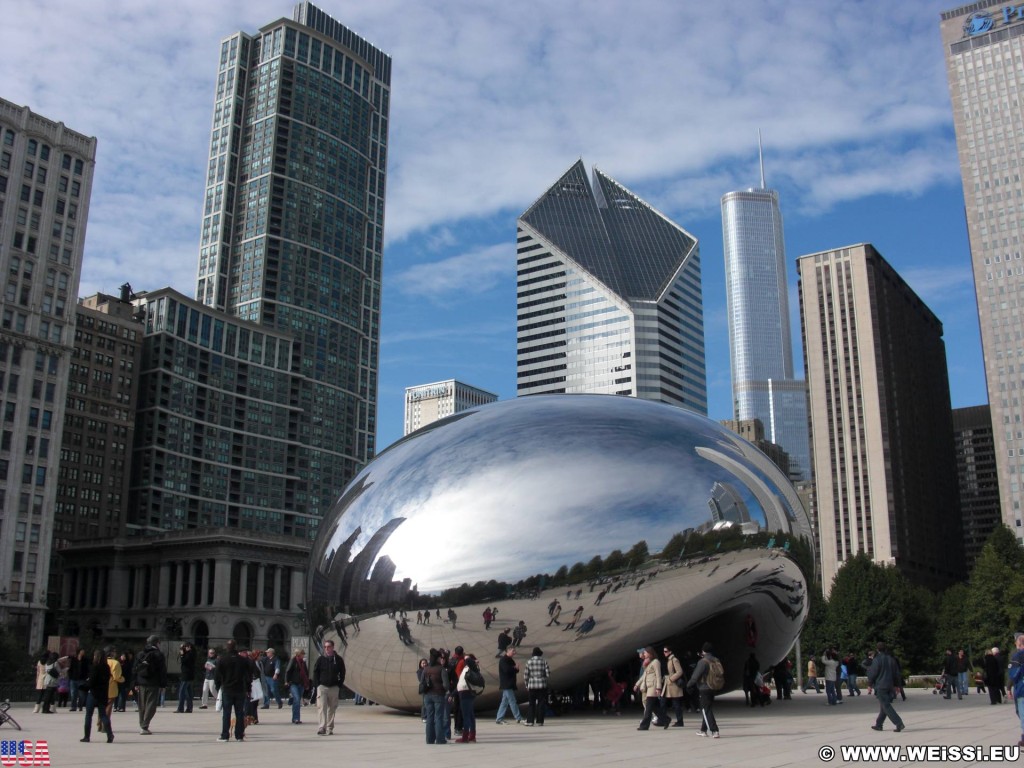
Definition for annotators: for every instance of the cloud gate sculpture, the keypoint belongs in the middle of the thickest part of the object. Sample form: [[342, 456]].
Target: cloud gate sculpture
[[661, 525]]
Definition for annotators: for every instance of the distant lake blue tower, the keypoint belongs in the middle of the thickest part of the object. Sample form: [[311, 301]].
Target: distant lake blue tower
[[760, 342]]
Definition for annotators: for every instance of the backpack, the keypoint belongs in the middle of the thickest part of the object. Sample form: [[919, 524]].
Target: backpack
[[143, 666], [475, 680], [716, 675]]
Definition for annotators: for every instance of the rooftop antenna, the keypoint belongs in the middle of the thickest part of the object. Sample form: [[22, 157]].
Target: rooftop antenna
[[760, 157]]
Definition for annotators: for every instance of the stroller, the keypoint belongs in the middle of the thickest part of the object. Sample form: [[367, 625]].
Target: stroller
[[760, 694]]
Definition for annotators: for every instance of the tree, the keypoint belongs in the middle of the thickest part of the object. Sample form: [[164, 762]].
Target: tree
[[15, 662], [638, 555], [994, 606], [595, 566], [615, 561], [674, 548]]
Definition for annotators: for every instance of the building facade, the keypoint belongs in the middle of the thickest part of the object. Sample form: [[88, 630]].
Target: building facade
[[881, 423], [46, 173], [218, 428], [293, 226], [979, 481], [984, 44], [427, 403], [608, 296], [760, 340]]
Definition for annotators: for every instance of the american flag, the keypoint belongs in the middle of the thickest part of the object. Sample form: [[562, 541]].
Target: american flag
[[24, 753]]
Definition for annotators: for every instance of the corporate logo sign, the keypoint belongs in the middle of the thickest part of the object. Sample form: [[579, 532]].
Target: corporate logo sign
[[983, 21]]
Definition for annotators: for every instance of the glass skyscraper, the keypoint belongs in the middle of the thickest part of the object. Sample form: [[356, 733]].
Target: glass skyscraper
[[293, 227], [760, 342], [608, 296], [984, 45]]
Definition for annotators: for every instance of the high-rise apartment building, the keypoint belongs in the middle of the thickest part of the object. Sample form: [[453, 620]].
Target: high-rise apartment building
[[608, 296], [881, 423], [979, 484], [984, 45], [760, 341], [427, 403], [46, 173], [293, 226]]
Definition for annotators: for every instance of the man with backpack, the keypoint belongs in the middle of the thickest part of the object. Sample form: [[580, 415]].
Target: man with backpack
[[708, 678]]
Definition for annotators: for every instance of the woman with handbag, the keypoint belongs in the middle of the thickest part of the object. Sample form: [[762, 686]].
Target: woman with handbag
[[470, 685], [650, 686]]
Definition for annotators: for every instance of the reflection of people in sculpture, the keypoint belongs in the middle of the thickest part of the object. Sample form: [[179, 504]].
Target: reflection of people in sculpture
[[554, 614], [452, 617], [518, 634], [575, 618], [585, 628], [504, 641], [614, 693], [600, 596], [488, 617]]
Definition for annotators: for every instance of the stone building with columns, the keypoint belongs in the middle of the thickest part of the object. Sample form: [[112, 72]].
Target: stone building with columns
[[205, 586]]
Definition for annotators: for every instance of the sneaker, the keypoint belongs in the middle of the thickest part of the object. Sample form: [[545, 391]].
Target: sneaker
[[330, 732], [702, 733], [321, 732], [715, 735], [499, 722], [221, 738], [203, 707], [528, 725], [145, 732]]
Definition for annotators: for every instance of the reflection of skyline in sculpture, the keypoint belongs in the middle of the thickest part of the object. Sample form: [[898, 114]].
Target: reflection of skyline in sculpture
[[727, 506], [522, 488]]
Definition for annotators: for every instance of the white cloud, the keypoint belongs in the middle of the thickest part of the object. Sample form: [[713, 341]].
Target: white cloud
[[468, 273]]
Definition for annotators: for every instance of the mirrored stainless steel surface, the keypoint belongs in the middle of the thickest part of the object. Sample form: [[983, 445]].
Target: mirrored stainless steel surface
[[507, 498]]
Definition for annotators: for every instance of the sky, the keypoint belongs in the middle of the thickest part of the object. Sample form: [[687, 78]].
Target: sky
[[492, 102]]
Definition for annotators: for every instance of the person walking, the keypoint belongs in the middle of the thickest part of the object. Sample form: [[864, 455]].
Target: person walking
[[650, 686], [884, 677], [328, 677], [233, 679], [950, 676], [507, 671], [209, 686], [150, 679], [812, 677], [675, 680], [97, 687], [699, 680], [993, 676], [536, 676], [296, 676], [78, 673], [434, 684], [963, 667]]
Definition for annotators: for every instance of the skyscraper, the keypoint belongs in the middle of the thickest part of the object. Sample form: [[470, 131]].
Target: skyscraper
[[608, 296], [984, 43], [881, 423], [760, 342], [427, 403], [46, 173], [293, 226], [976, 469]]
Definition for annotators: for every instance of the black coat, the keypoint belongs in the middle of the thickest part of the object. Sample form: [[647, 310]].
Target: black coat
[[98, 682]]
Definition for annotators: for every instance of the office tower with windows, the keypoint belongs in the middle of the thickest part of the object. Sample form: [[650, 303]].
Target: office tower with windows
[[760, 342], [608, 296], [427, 403], [881, 423], [979, 485], [293, 228], [984, 45], [46, 173]]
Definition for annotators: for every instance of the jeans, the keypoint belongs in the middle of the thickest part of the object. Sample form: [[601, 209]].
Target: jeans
[[296, 690], [809, 681], [185, 696], [830, 691], [508, 703], [851, 685], [90, 705], [1019, 703], [961, 684], [434, 713], [232, 704], [466, 699], [273, 691], [77, 699]]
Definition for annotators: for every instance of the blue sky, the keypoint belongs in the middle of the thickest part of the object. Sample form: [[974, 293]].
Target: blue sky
[[493, 101]]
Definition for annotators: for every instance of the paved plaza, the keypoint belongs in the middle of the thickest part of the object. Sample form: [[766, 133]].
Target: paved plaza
[[787, 733]]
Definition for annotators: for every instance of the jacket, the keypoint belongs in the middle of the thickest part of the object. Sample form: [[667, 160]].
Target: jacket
[[151, 667], [699, 678], [537, 673], [98, 683], [651, 680], [232, 674], [507, 670], [329, 671], [884, 673], [676, 678]]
